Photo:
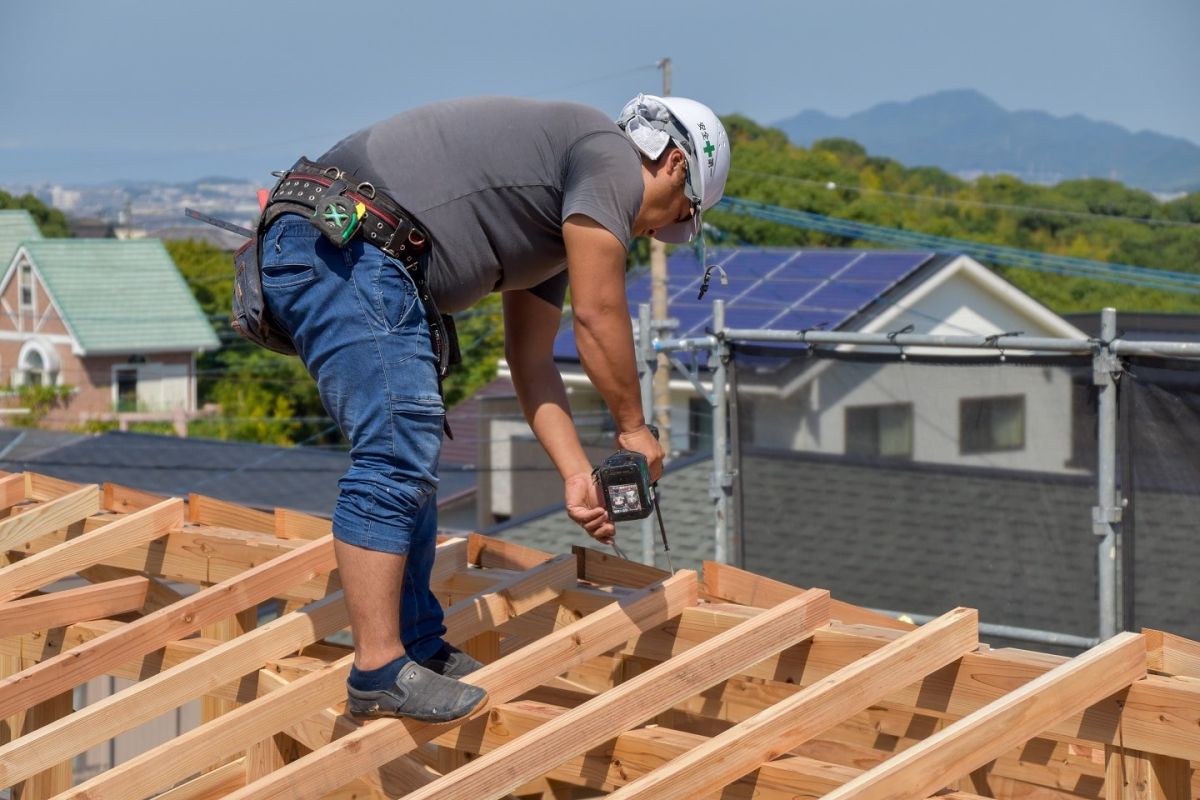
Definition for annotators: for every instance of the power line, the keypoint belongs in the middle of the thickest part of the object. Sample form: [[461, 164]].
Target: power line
[[833, 186], [1166, 280]]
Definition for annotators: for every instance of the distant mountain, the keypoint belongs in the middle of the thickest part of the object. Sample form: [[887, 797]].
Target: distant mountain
[[966, 133]]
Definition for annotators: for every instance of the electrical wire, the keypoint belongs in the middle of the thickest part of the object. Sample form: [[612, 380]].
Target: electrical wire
[[962, 201]]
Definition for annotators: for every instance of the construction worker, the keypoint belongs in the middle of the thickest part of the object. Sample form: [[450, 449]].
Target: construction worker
[[421, 215]]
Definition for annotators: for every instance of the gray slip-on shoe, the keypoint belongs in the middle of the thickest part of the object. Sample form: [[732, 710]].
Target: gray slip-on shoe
[[418, 693], [450, 662]]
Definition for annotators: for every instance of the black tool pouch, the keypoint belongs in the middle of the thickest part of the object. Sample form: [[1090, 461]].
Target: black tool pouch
[[251, 318]]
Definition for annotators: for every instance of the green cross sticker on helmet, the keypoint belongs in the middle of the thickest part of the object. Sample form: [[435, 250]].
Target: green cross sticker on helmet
[[698, 132]]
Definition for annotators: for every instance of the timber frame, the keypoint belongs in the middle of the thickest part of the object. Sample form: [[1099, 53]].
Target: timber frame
[[605, 677]]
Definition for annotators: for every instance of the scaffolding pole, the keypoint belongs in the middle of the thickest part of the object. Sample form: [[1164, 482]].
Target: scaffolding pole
[[1106, 353]]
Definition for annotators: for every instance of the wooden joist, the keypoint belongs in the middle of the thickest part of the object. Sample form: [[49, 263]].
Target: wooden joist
[[70, 605], [783, 726], [1003, 724], [48, 517], [75, 555], [633, 702], [324, 770], [290, 705], [602, 674]]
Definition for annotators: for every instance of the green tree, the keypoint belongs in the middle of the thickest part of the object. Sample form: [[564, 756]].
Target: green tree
[[50, 221]]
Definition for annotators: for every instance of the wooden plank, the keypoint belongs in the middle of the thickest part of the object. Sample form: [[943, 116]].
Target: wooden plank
[[46, 487], [91, 548], [1134, 775], [203, 510], [1171, 654], [638, 752], [205, 556], [12, 490], [393, 779], [738, 586], [202, 675], [296, 525], [125, 500], [999, 726], [634, 701], [1157, 715], [783, 726], [49, 517], [56, 777], [151, 632], [210, 785], [609, 570], [72, 605], [490, 552], [383, 740], [286, 706], [158, 594]]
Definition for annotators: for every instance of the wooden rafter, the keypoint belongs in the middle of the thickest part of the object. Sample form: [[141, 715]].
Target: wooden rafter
[[603, 675]]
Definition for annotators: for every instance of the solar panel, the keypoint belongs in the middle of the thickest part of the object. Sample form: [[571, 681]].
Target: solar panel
[[768, 289]]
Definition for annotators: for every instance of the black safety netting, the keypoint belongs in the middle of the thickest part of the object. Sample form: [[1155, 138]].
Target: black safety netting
[[1159, 448], [916, 483]]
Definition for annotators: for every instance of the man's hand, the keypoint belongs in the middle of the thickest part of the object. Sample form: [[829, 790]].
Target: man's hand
[[585, 508], [643, 441]]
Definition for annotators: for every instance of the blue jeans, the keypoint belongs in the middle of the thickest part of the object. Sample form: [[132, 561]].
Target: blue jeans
[[361, 331]]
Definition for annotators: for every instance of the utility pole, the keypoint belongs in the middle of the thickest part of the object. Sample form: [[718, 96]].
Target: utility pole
[[658, 312]]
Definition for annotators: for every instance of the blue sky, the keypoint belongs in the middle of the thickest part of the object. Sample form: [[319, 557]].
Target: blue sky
[[146, 89]]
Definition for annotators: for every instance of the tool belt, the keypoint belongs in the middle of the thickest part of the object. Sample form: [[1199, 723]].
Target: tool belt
[[340, 206]]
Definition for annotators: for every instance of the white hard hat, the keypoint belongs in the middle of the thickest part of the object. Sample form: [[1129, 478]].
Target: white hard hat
[[653, 122]]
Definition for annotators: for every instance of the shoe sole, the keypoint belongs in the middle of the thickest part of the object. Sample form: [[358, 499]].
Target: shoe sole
[[380, 714]]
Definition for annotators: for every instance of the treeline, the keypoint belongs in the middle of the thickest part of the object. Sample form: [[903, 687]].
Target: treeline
[[1096, 219]]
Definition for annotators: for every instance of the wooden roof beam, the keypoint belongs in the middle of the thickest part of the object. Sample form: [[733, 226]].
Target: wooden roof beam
[[48, 517], [323, 771], [494, 775], [638, 752], [785, 725], [193, 678], [725, 582], [1003, 724], [74, 555], [289, 705], [72, 605], [204, 510], [68, 670], [1171, 654], [12, 491]]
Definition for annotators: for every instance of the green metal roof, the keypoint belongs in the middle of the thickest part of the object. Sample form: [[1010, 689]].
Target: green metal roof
[[121, 295], [16, 226]]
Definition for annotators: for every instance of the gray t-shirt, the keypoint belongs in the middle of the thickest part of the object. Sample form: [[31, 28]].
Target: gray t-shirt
[[492, 179]]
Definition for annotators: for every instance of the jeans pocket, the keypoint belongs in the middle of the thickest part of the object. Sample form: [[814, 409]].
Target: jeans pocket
[[289, 254], [395, 295]]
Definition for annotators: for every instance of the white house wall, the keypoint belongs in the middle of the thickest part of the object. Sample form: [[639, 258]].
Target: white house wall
[[814, 418]]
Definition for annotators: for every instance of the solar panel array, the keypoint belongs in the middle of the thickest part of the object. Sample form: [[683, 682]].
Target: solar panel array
[[769, 289]]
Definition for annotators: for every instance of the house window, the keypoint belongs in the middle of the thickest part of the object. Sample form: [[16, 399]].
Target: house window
[[700, 425], [991, 424], [126, 389], [884, 431], [35, 369], [26, 286]]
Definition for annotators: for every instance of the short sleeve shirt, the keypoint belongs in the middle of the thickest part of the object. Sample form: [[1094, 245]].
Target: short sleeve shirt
[[493, 179]]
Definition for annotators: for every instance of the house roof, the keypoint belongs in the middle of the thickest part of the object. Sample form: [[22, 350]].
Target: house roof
[[255, 475], [120, 296], [602, 674], [16, 226], [781, 288]]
